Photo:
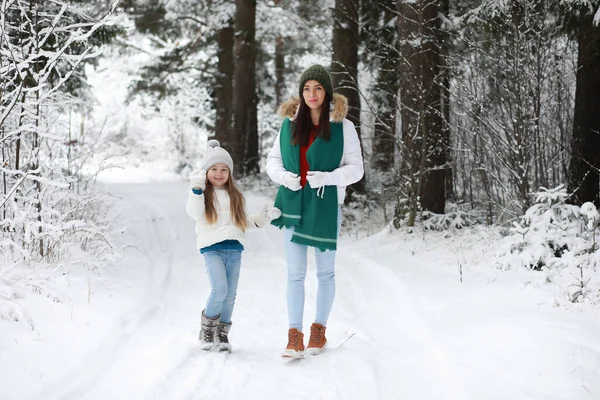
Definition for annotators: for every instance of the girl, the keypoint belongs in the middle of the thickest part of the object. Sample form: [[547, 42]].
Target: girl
[[219, 210], [315, 156]]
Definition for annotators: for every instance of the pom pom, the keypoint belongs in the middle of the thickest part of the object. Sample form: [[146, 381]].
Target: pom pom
[[213, 143]]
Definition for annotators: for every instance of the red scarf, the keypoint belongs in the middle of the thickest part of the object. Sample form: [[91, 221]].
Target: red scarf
[[304, 167]]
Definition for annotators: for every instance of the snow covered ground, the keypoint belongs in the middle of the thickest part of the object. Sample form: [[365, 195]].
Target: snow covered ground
[[403, 325]]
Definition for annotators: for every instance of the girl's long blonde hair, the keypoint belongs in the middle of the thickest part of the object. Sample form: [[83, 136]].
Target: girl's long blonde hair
[[237, 204]]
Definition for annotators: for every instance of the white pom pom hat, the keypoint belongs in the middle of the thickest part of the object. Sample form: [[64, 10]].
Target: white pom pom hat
[[215, 154]]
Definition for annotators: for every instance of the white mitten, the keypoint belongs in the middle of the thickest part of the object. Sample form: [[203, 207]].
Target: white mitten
[[268, 214], [291, 181], [316, 179], [274, 213], [198, 180]]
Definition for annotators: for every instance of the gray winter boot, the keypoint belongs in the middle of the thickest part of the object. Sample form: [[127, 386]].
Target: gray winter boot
[[222, 337], [208, 332]]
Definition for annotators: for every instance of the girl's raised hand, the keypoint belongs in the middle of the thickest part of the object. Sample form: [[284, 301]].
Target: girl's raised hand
[[198, 179]]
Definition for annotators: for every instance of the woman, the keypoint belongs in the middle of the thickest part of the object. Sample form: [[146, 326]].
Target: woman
[[315, 156]]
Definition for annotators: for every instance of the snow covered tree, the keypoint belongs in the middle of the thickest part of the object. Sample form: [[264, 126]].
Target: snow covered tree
[[192, 67], [215, 63], [511, 101], [43, 47]]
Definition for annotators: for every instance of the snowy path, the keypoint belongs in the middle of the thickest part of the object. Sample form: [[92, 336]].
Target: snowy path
[[152, 353], [417, 332]]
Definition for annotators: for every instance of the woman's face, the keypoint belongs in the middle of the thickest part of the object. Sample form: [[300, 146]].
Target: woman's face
[[314, 94], [218, 174]]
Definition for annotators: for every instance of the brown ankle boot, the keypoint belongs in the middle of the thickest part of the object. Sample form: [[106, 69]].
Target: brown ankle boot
[[295, 346], [317, 341]]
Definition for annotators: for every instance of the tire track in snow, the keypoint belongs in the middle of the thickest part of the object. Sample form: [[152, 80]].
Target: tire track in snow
[[394, 333], [97, 365], [190, 375]]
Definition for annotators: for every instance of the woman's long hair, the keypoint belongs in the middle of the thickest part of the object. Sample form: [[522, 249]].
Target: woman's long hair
[[237, 204], [303, 123]]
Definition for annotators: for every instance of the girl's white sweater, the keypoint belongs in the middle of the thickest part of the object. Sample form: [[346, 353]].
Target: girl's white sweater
[[223, 229]]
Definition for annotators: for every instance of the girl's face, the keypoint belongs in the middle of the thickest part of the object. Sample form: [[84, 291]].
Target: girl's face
[[218, 174], [314, 94]]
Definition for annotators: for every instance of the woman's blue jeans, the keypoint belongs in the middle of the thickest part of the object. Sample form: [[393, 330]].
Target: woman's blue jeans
[[223, 269], [296, 256]]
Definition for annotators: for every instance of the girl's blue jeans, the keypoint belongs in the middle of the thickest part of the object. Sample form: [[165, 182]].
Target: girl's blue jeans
[[223, 269], [296, 256]]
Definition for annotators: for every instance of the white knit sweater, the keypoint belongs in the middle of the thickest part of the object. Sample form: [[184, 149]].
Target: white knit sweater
[[223, 229]]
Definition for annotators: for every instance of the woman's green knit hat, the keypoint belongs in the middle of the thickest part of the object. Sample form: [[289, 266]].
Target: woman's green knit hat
[[319, 74]]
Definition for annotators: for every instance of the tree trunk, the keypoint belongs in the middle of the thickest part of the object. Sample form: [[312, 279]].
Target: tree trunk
[[408, 28], [433, 195], [444, 39], [279, 65], [244, 90], [423, 135], [224, 89], [344, 64], [34, 162], [279, 69], [384, 130], [585, 143], [4, 162]]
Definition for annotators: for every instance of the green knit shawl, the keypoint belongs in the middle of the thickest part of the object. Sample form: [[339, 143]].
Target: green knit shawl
[[313, 216]]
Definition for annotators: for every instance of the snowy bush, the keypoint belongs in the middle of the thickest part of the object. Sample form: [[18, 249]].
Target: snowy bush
[[452, 220], [559, 240], [363, 216], [457, 216]]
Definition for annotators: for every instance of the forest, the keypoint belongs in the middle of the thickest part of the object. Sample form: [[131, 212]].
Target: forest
[[467, 258]]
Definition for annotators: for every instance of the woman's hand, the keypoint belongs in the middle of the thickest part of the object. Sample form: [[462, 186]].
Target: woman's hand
[[291, 181], [316, 179]]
